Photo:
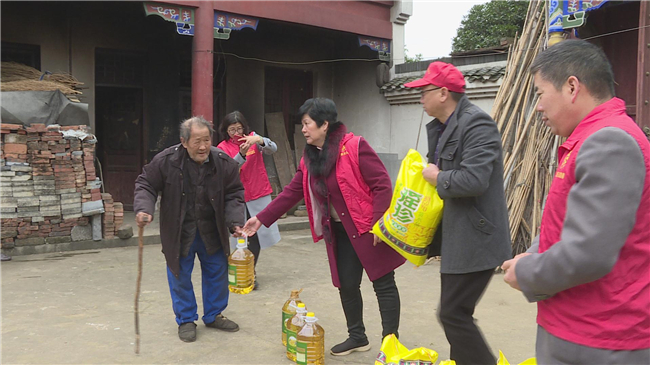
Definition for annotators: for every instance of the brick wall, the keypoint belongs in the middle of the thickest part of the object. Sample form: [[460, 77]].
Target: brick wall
[[47, 179]]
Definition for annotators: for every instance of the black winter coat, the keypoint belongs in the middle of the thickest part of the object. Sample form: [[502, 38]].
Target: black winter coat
[[164, 174]]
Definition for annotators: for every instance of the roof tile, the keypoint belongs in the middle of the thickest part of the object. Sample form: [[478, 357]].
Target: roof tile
[[481, 74]]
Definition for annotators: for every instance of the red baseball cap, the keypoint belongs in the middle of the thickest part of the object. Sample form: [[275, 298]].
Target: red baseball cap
[[441, 74]]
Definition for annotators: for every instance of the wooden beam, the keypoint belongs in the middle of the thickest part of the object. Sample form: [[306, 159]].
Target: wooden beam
[[283, 158]]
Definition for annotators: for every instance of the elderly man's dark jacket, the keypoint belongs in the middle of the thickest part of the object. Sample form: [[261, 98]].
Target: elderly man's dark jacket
[[164, 174]]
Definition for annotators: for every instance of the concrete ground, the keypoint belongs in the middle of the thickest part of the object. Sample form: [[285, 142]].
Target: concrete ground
[[76, 307]]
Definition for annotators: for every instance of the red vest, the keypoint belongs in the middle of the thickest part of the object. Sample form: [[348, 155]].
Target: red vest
[[355, 191], [252, 172], [612, 312]]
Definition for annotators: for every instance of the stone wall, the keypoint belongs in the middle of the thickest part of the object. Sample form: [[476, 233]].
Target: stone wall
[[48, 186]]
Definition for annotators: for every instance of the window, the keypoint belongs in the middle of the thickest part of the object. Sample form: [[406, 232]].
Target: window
[[27, 54]]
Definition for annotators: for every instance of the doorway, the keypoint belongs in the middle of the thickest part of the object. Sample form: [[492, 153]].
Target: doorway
[[118, 121], [285, 90]]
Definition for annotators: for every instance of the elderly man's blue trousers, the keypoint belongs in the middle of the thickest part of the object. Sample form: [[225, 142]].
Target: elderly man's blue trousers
[[214, 279]]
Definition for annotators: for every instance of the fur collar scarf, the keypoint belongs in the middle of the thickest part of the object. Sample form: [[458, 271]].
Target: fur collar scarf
[[320, 162]]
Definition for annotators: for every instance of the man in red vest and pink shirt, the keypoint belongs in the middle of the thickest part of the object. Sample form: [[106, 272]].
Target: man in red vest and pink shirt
[[589, 269]]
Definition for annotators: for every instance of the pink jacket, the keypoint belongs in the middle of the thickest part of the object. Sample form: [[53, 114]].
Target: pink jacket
[[360, 196], [252, 172], [354, 189]]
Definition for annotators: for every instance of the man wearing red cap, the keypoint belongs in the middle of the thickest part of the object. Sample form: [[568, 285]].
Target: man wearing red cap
[[466, 166]]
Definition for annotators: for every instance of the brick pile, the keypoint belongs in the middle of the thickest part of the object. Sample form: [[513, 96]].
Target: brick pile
[[119, 215], [108, 219], [45, 176]]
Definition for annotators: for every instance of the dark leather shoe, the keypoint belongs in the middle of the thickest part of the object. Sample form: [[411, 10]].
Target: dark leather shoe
[[349, 346], [224, 324], [187, 332]]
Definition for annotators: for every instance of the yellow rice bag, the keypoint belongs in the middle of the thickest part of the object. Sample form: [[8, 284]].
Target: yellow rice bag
[[415, 211], [392, 352]]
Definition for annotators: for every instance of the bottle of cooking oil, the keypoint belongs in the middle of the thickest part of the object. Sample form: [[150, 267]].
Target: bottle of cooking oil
[[310, 348], [294, 325], [241, 269], [288, 310]]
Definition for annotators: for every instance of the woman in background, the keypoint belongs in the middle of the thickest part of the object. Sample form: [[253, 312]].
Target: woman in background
[[246, 147]]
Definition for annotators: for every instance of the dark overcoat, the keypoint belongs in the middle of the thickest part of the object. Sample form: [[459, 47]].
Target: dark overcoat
[[474, 234], [164, 174]]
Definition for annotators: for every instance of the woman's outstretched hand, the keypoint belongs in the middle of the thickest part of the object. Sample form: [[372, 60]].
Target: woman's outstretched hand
[[251, 227]]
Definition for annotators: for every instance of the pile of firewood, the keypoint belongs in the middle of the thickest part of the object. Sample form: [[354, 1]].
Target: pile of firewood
[[19, 77], [529, 146]]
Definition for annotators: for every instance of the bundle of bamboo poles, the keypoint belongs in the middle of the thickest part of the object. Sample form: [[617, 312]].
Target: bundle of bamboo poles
[[18, 77], [529, 146]]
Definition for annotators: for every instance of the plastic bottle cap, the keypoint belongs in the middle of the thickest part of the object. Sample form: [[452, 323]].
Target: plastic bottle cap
[[301, 305], [301, 309], [310, 314], [241, 240]]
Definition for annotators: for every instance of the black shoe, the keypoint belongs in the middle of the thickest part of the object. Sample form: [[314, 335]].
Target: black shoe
[[224, 324], [256, 286], [187, 332], [4, 257], [349, 346]]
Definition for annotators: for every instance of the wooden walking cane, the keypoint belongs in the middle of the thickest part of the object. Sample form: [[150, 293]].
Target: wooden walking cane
[[137, 288]]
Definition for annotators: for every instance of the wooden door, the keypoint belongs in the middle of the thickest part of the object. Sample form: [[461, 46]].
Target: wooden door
[[285, 90], [119, 122], [119, 127], [614, 28]]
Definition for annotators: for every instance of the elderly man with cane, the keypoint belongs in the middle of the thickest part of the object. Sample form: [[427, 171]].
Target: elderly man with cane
[[202, 202]]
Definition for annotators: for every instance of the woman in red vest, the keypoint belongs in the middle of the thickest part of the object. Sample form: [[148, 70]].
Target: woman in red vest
[[343, 201], [246, 147]]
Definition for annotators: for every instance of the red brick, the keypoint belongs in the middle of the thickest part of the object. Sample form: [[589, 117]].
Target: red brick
[[11, 127], [15, 148]]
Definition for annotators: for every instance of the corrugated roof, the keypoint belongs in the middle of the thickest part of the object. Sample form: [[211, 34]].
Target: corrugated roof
[[481, 74]]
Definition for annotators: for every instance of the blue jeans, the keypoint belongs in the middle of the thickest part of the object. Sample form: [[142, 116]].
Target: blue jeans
[[214, 280]]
